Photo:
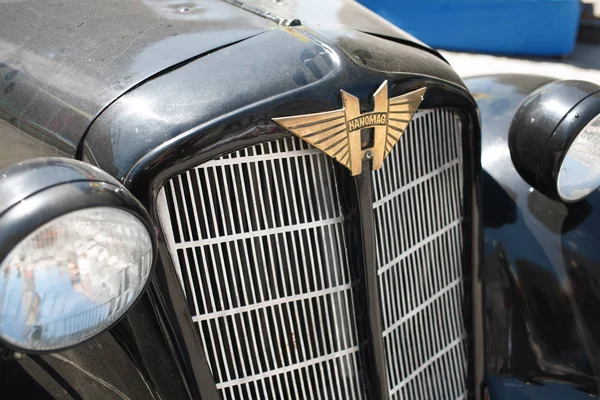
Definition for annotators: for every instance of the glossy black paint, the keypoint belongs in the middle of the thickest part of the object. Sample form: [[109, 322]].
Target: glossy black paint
[[177, 326], [62, 62], [223, 101], [158, 335], [132, 359], [140, 340], [84, 372], [187, 98], [21, 180], [370, 299], [544, 127], [353, 222], [65, 61], [541, 267], [472, 254], [186, 101], [214, 115]]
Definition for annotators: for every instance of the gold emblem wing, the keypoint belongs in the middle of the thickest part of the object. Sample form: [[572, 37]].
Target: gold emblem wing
[[326, 131], [400, 111]]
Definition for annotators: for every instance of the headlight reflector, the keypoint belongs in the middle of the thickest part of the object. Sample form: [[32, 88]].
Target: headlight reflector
[[579, 173], [72, 278]]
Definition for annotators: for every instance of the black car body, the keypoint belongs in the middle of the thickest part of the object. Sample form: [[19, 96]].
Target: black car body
[[176, 100]]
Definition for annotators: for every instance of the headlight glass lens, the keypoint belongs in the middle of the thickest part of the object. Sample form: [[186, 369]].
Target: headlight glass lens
[[579, 173], [72, 278]]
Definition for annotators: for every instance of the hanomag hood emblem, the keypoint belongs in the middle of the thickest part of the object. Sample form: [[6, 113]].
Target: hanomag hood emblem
[[338, 133]]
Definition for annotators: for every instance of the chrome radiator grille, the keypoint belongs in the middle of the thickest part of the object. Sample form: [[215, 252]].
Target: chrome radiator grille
[[418, 214], [257, 238]]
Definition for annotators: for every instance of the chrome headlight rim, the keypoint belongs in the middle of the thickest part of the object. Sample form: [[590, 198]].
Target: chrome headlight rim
[[27, 215], [572, 184], [567, 131]]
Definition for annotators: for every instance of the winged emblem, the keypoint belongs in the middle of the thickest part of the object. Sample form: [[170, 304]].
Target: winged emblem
[[338, 133]]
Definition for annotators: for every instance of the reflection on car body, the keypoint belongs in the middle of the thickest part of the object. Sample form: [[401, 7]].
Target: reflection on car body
[[239, 200]]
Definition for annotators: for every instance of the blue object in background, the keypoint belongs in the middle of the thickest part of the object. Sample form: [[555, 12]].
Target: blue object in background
[[523, 27]]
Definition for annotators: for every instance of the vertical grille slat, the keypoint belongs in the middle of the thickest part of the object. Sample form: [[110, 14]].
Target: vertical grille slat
[[259, 243], [418, 198]]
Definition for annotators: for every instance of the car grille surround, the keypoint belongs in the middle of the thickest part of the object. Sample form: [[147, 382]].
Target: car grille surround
[[259, 242]]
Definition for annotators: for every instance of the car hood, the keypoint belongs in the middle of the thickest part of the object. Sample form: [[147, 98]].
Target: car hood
[[344, 13], [63, 62]]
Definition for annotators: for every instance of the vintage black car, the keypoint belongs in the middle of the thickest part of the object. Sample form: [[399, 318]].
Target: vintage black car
[[285, 200]]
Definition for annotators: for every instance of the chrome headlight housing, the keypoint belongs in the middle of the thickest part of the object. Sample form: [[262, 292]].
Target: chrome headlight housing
[[74, 256]]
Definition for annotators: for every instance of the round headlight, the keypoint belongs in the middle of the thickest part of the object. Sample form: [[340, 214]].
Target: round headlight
[[554, 139], [72, 278], [579, 173]]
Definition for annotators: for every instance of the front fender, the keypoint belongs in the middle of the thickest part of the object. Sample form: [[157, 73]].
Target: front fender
[[541, 267]]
